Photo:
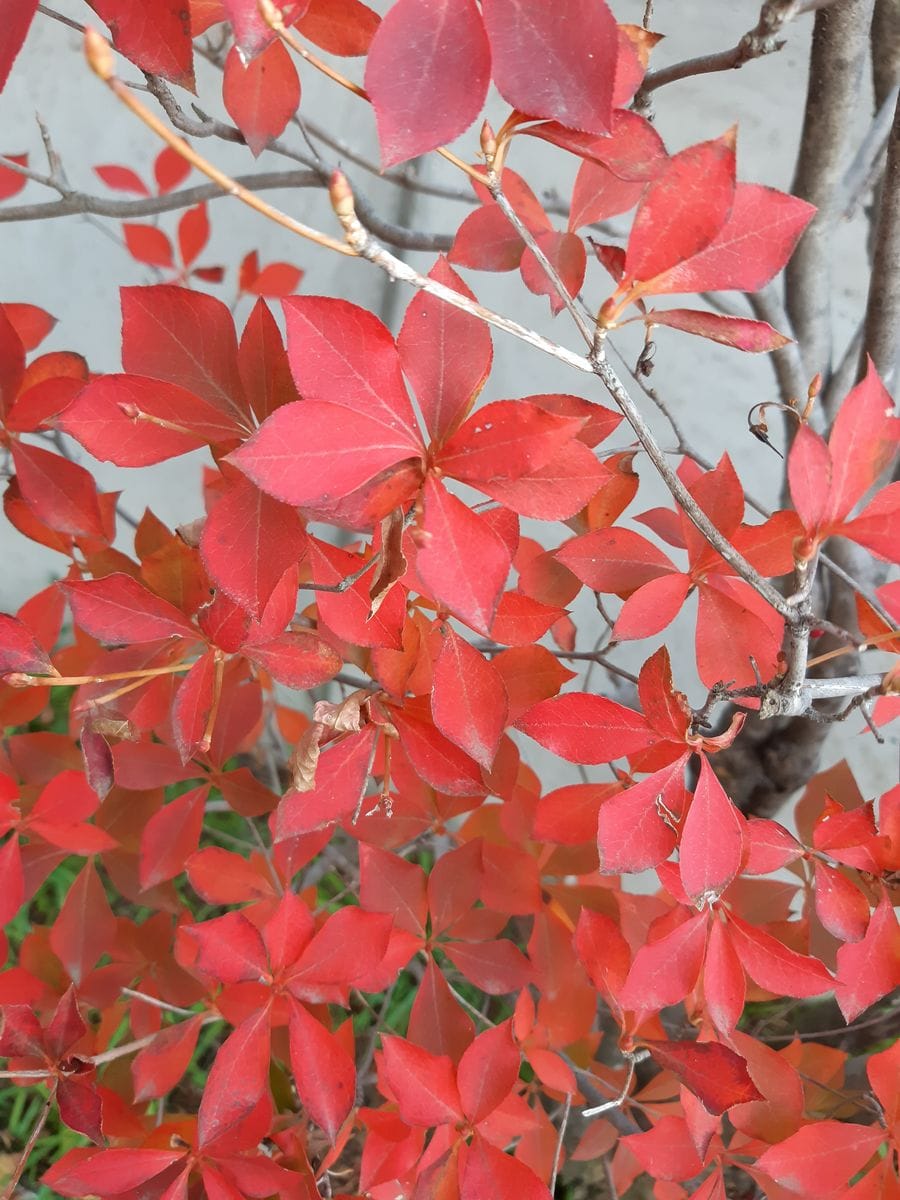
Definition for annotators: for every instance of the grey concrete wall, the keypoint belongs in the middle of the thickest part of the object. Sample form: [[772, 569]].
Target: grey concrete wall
[[73, 267]]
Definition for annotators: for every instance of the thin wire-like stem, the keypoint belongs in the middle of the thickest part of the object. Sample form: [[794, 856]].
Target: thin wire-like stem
[[13, 1182]]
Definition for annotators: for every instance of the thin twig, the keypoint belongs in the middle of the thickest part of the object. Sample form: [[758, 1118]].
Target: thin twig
[[882, 335], [12, 1183], [557, 1154]]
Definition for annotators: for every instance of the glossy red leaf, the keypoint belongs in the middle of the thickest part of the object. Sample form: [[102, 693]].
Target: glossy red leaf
[[599, 194], [809, 475], [85, 926], [60, 493], [653, 606], [506, 439], [712, 840], [752, 246], [667, 1150], [159, 1067], [434, 758], [463, 563], [343, 354], [603, 952], [159, 42], [170, 836], [840, 905], [556, 491], [664, 971], [263, 363], [312, 453], [343, 27], [390, 884], [427, 74], [446, 354], [584, 728], [821, 1158], [186, 338], [683, 209], [348, 947], [31, 323], [19, 651], [148, 244], [757, 337], [774, 966], [229, 948], [423, 1084], [324, 1073], [724, 985], [79, 1173], [713, 1072], [579, 45], [261, 95], [238, 1080], [15, 20], [297, 659], [870, 968], [864, 440], [193, 233], [248, 542], [121, 611], [129, 419], [341, 777], [497, 967], [614, 560], [487, 1072], [487, 1171], [468, 699]]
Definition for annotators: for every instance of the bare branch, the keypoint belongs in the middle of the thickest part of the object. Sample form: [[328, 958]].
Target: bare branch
[[882, 334], [757, 42], [860, 175], [839, 48]]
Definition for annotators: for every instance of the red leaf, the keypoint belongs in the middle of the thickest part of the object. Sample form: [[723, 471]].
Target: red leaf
[[653, 606], [487, 1072], [497, 967], [122, 419], [444, 46], [341, 778], [343, 354], [19, 651], [840, 905], [584, 728], [249, 540], [147, 244], [120, 611], [342, 27], [614, 560], [81, 1172], [556, 491], [468, 699], [724, 985], [261, 95], [324, 1073], [666, 1151], [750, 248], [264, 364], [11, 182], [713, 1072], [229, 948], [733, 623], [603, 952], [599, 194], [15, 21], [348, 947], [712, 840], [435, 758], [390, 884], [863, 442], [159, 1067], [297, 659], [85, 926], [463, 563], [278, 279], [506, 439], [31, 323], [186, 338], [251, 33], [158, 42], [436, 1020], [238, 1079], [565, 252], [313, 453], [664, 971], [169, 170], [821, 1158], [60, 493], [809, 474], [446, 354], [869, 969], [579, 46], [758, 337], [122, 179], [423, 1084], [349, 613], [487, 1171], [193, 233], [192, 707], [775, 967], [171, 836], [683, 209]]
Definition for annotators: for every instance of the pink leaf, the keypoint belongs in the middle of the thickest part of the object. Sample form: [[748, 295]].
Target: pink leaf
[[711, 841], [758, 337]]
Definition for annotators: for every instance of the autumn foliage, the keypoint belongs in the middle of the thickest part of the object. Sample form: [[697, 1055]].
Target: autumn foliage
[[291, 784]]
